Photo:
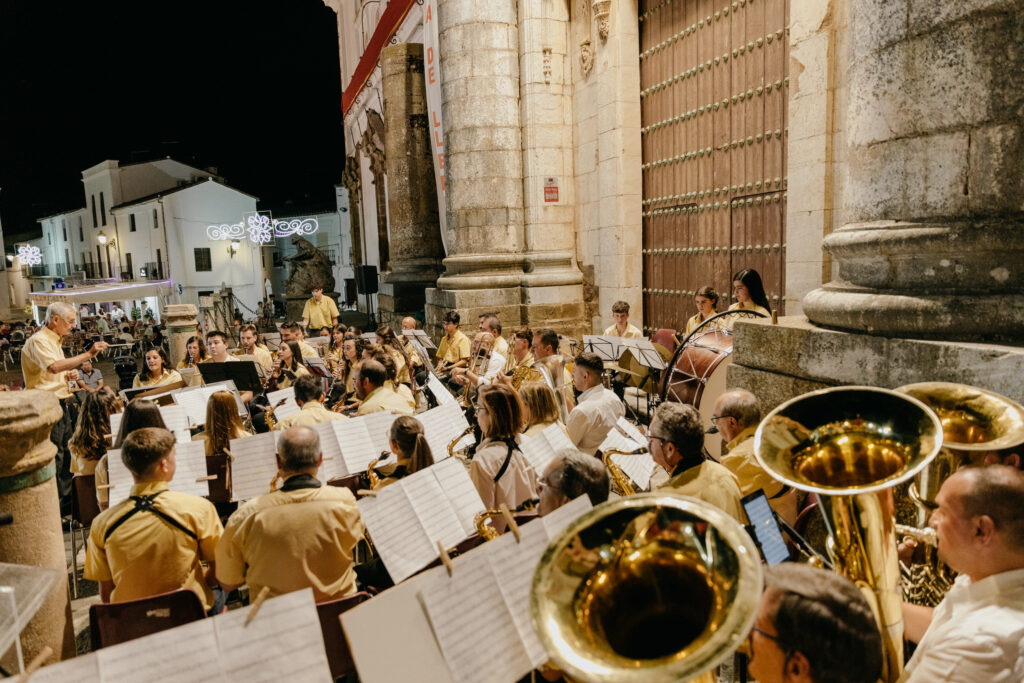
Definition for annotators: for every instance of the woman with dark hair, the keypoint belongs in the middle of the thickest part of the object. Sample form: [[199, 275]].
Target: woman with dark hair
[[89, 442], [156, 371], [139, 413], [195, 353], [749, 291], [335, 347], [288, 366], [499, 470], [387, 339], [410, 446], [706, 300], [383, 356]]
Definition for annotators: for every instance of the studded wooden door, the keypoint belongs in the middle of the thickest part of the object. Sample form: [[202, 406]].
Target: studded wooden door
[[714, 87]]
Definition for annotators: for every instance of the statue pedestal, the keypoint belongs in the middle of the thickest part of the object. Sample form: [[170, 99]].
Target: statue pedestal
[[778, 362]]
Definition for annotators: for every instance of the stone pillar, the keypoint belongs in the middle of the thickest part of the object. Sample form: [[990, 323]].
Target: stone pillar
[[181, 322], [415, 249], [932, 242], [28, 492]]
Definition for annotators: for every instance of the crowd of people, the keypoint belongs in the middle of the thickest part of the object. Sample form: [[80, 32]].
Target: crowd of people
[[812, 624]]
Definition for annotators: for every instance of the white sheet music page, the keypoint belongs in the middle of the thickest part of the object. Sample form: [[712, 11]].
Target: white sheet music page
[[558, 519], [557, 437], [82, 669], [187, 653], [538, 452], [289, 407], [441, 425], [379, 427], [396, 531], [472, 622], [435, 511], [442, 395], [183, 435], [459, 489], [174, 417], [254, 465], [334, 465], [190, 464], [632, 431], [115, 422], [119, 478], [639, 468], [282, 643], [355, 442]]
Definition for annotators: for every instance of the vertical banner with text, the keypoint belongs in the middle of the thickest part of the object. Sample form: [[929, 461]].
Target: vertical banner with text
[[432, 76]]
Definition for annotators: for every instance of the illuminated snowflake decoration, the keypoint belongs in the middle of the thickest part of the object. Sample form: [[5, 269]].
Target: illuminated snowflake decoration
[[29, 255], [260, 230]]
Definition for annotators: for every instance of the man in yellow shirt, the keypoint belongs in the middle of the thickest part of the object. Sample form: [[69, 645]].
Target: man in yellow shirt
[[319, 312], [676, 441], [293, 332], [489, 322], [309, 394], [249, 335], [154, 541], [44, 367], [375, 396], [622, 328], [454, 346], [300, 536]]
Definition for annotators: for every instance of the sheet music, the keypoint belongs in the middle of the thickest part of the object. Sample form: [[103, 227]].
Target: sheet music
[[333, 466], [637, 467], [440, 426], [608, 348], [119, 478], [558, 519], [187, 653], [379, 427], [282, 643], [356, 445], [289, 407], [193, 400], [434, 510], [190, 464], [478, 637], [643, 350], [460, 490], [115, 422], [254, 465], [82, 669], [632, 431], [541, 449], [441, 395], [397, 532], [183, 435], [174, 417]]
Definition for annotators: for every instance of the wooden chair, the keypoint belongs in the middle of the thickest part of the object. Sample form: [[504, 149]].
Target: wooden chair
[[339, 656], [351, 482], [84, 508], [119, 622]]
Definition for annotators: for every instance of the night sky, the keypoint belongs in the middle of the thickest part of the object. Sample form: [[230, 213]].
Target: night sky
[[250, 87]]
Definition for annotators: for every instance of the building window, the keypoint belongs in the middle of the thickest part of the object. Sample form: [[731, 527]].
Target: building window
[[64, 228], [159, 264], [131, 224], [128, 266], [103, 209], [156, 222], [92, 202], [202, 256], [48, 240], [81, 235]]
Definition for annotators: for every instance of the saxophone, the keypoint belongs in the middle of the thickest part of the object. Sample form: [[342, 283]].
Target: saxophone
[[621, 484], [371, 473], [488, 533], [451, 445]]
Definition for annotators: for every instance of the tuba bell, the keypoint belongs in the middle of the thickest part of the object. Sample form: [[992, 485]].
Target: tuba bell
[[851, 446], [650, 587], [552, 369]]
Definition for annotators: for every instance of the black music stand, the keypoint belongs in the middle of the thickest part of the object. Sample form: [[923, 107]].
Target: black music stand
[[243, 373], [420, 336], [608, 348]]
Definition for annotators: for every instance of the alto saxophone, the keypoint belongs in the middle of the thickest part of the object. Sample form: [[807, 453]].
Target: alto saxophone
[[451, 445], [371, 473], [621, 484], [489, 533]]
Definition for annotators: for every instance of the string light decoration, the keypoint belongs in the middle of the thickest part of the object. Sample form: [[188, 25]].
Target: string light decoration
[[29, 255], [260, 228]]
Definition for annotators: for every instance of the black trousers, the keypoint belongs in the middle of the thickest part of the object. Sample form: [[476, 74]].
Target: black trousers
[[60, 434]]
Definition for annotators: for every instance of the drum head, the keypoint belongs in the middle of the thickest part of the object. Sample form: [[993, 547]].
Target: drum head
[[696, 376]]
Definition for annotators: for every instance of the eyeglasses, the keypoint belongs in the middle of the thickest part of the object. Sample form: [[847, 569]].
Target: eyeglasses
[[749, 644], [716, 418], [657, 438]]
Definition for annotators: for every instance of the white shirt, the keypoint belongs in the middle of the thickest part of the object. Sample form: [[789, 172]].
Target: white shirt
[[596, 412], [495, 364], [976, 634]]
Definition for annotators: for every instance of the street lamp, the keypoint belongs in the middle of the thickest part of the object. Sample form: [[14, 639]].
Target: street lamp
[[102, 237], [234, 247]]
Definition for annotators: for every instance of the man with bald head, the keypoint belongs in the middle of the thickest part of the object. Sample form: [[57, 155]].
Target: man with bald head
[[300, 536], [977, 631], [736, 416]]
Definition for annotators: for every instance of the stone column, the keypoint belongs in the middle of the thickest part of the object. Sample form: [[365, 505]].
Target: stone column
[[415, 249], [932, 242], [28, 492], [181, 324], [483, 162]]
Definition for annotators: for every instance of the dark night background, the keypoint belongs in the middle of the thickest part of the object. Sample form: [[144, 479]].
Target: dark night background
[[250, 87]]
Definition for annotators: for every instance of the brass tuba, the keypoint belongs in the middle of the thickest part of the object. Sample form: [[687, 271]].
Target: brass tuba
[[552, 369], [650, 587], [851, 446]]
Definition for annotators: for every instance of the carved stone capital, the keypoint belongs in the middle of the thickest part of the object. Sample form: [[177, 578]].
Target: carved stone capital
[[586, 57], [602, 14]]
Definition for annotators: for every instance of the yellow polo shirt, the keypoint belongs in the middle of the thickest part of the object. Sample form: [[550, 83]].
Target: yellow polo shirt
[[401, 367], [320, 313], [454, 350], [711, 483], [168, 377], [147, 555], [40, 352], [306, 350], [312, 413], [384, 398], [631, 332], [511, 363], [263, 357], [290, 540], [742, 462]]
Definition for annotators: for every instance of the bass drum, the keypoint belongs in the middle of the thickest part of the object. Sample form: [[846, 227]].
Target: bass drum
[[696, 375]]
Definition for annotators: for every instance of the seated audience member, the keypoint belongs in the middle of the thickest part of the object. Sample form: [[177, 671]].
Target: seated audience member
[[813, 626], [309, 394], [499, 469], [597, 409], [89, 381], [154, 541], [370, 381], [540, 408], [89, 442], [569, 476], [676, 441], [736, 415], [977, 631], [409, 444], [300, 536], [157, 371]]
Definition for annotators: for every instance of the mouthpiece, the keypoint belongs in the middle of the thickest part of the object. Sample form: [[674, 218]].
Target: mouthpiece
[[712, 430]]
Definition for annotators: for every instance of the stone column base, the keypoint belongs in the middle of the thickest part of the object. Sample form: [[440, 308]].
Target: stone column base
[[396, 300], [778, 362]]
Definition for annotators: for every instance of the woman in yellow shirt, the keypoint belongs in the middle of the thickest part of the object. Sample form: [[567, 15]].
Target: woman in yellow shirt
[[288, 367], [707, 305], [749, 292], [89, 441], [195, 353], [387, 339], [156, 371]]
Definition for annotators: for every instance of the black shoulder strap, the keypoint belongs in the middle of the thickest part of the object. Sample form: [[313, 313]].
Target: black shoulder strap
[[512, 446], [145, 504]]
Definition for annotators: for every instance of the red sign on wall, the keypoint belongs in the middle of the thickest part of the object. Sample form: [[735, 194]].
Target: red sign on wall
[[550, 190]]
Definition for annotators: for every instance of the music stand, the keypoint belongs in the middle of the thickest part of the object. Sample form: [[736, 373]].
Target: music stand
[[420, 336], [243, 373], [160, 395], [643, 351], [317, 342], [272, 340], [316, 366], [369, 336], [608, 348]]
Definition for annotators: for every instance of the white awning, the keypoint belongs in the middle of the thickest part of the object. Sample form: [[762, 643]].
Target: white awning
[[98, 294]]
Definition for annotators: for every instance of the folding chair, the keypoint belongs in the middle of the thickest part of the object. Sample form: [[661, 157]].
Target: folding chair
[[339, 656], [118, 622], [84, 508]]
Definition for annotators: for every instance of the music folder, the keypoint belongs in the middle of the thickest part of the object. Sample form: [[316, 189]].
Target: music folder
[[420, 336], [243, 373]]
